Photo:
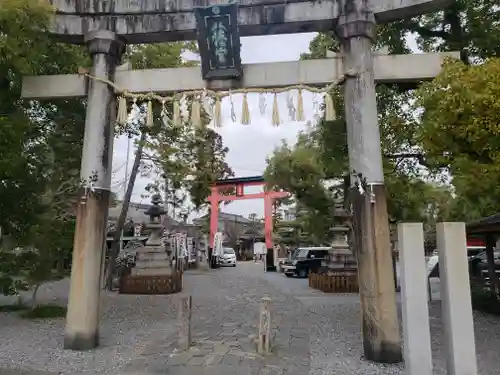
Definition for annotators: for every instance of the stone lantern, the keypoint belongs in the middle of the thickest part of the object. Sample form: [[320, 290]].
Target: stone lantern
[[153, 272], [155, 212]]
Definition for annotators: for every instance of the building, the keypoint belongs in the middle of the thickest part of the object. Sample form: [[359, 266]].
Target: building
[[225, 221]]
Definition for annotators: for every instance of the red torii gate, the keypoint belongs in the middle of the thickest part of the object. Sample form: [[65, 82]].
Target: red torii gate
[[239, 184]]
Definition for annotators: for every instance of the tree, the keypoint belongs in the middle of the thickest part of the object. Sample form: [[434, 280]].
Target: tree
[[470, 26], [254, 218], [463, 102], [300, 171], [193, 160], [38, 144]]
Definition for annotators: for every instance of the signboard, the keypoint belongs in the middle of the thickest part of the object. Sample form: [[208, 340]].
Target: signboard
[[219, 41], [240, 190], [191, 250]]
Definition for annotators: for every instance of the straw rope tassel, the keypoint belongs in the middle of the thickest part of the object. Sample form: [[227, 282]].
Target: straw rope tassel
[[218, 113], [164, 113], [300, 107], [177, 113], [329, 108], [195, 113], [122, 115], [149, 115], [245, 111], [276, 113]]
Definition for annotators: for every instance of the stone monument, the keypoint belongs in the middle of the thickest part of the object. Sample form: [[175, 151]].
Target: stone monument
[[153, 272]]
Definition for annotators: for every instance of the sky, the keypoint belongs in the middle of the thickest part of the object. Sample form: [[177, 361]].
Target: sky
[[249, 145]]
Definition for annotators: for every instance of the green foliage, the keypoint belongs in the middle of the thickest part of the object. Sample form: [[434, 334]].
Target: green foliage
[[160, 55], [40, 147], [186, 162], [463, 102], [483, 300], [12, 308], [300, 171], [322, 43], [471, 26], [45, 312], [22, 23]]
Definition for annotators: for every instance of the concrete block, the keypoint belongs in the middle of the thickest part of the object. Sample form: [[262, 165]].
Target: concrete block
[[413, 278], [456, 299]]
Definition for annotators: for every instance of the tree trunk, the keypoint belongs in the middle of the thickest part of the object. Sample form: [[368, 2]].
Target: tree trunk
[[115, 245], [34, 302]]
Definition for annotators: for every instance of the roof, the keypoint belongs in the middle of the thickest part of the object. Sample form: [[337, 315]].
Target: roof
[[488, 224], [136, 212], [239, 180], [226, 216]]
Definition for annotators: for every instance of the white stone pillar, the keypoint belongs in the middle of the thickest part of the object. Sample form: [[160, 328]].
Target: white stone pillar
[[413, 279], [456, 299]]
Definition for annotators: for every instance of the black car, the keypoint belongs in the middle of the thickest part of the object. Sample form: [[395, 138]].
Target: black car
[[305, 260], [479, 265]]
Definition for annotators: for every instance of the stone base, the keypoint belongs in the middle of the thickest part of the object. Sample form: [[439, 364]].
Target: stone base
[[81, 341], [383, 352], [164, 284]]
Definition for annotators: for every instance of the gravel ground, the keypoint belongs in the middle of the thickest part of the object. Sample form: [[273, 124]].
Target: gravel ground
[[132, 323], [127, 324], [335, 337]]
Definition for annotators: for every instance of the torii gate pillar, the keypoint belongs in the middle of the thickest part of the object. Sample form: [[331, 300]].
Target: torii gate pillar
[[356, 30], [82, 323]]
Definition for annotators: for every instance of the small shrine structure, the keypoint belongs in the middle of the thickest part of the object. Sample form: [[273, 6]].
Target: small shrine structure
[[153, 272]]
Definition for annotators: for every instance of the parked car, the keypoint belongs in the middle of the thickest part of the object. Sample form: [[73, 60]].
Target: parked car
[[228, 257], [305, 260], [478, 266]]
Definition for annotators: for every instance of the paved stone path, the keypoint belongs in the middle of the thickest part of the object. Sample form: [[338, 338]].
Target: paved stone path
[[225, 318]]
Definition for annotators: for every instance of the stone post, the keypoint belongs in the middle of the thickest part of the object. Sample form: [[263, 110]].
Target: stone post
[[413, 279], [184, 322], [356, 30], [264, 343], [456, 299], [92, 212]]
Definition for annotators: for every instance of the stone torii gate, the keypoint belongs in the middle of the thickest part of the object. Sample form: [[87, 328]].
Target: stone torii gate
[[105, 27]]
